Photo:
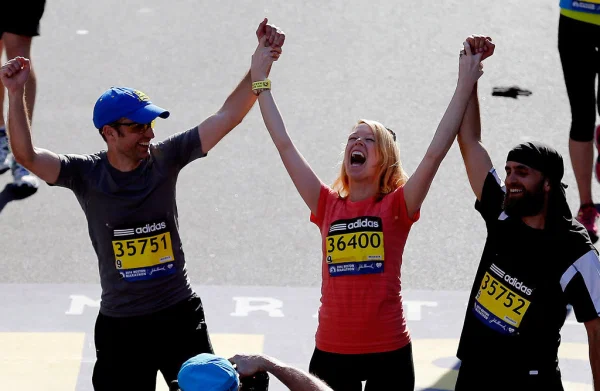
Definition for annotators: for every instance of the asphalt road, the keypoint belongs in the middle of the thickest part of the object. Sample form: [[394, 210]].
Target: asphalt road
[[241, 220]]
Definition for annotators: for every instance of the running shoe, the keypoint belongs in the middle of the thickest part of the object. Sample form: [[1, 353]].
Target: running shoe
[[588, 217], [23, 181]]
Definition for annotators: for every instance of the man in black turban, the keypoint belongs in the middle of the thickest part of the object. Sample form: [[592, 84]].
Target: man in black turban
[[537, 260], [543, 201]]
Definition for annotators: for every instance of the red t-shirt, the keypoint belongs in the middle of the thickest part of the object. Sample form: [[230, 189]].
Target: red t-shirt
[[361, 306]]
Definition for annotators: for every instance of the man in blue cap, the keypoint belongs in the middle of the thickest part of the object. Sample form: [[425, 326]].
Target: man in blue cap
[[207, 372], [150, 318]]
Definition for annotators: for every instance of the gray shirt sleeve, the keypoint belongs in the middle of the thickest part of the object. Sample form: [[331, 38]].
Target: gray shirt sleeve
[[181, 148], [73, 169]]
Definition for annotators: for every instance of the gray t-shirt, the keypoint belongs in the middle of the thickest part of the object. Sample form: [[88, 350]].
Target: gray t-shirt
[[133, 224]]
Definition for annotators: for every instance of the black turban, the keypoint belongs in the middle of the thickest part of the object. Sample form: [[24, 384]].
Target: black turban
[[541, 157], [550, 163]]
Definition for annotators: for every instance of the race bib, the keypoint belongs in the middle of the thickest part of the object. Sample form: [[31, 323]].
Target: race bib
[[498, 305], [355, 246], [589, 6], [143, 252]]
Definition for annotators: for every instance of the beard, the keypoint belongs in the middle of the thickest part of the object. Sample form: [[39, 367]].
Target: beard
[[528, 204]]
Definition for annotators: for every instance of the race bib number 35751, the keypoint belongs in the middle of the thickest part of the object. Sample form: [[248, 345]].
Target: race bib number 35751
[[355, 246], [143, 252]]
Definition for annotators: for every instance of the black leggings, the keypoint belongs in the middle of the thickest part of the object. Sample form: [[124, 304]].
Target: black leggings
[[393, 371], [579, 48], [130, 351]]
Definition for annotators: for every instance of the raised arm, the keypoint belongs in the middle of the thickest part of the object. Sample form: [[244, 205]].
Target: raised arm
[[306, 181], [418, 185], [477, 160], [241, 100], [43, 163], [293, 378]]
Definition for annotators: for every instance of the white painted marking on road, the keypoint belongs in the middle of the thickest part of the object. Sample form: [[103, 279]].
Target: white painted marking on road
[[82, 32], [245, 305], [79, 302], [575, 351], [412, 308]]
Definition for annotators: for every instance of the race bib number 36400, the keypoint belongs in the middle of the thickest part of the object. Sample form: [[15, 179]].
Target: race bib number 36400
[[355, 246], [587, 6], [143, 252]]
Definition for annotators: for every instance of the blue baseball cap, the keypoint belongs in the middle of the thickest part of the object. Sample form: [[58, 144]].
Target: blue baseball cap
[[207, 372], [119, 102]]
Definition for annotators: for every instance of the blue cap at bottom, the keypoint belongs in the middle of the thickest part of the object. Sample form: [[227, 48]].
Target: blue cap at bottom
[[207, 372]]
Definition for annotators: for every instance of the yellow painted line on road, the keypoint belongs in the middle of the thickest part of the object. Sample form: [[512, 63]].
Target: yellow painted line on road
[[228, 345], [40, 361], [51, 361], [428, 375]]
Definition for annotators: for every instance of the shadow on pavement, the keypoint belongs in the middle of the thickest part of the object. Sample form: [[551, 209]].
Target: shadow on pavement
[[447, 381], [13, 193]]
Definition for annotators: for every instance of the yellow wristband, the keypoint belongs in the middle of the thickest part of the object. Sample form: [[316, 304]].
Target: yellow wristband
[[261, 85]]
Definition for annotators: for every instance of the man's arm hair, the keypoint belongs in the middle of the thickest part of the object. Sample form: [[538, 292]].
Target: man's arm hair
[[295, 379], [477, 160], [231, 114]]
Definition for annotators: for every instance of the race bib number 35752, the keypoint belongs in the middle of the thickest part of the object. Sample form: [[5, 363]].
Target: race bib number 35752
[[499, 306], [143, 252], [355, 246]]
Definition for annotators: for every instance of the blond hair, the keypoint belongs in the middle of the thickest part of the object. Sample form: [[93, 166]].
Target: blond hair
[[391, 174]]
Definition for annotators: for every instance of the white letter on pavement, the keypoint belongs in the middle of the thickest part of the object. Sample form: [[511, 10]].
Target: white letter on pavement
[[79, 302], [413, 308], [245, 305]]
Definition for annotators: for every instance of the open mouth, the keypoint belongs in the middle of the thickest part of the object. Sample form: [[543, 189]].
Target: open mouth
[[357, 158], [515, 191], [144, 145]]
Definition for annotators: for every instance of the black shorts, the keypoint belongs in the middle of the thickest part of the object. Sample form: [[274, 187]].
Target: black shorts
[[130, 351], [22, 17], [482, 375], [382, 371]]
